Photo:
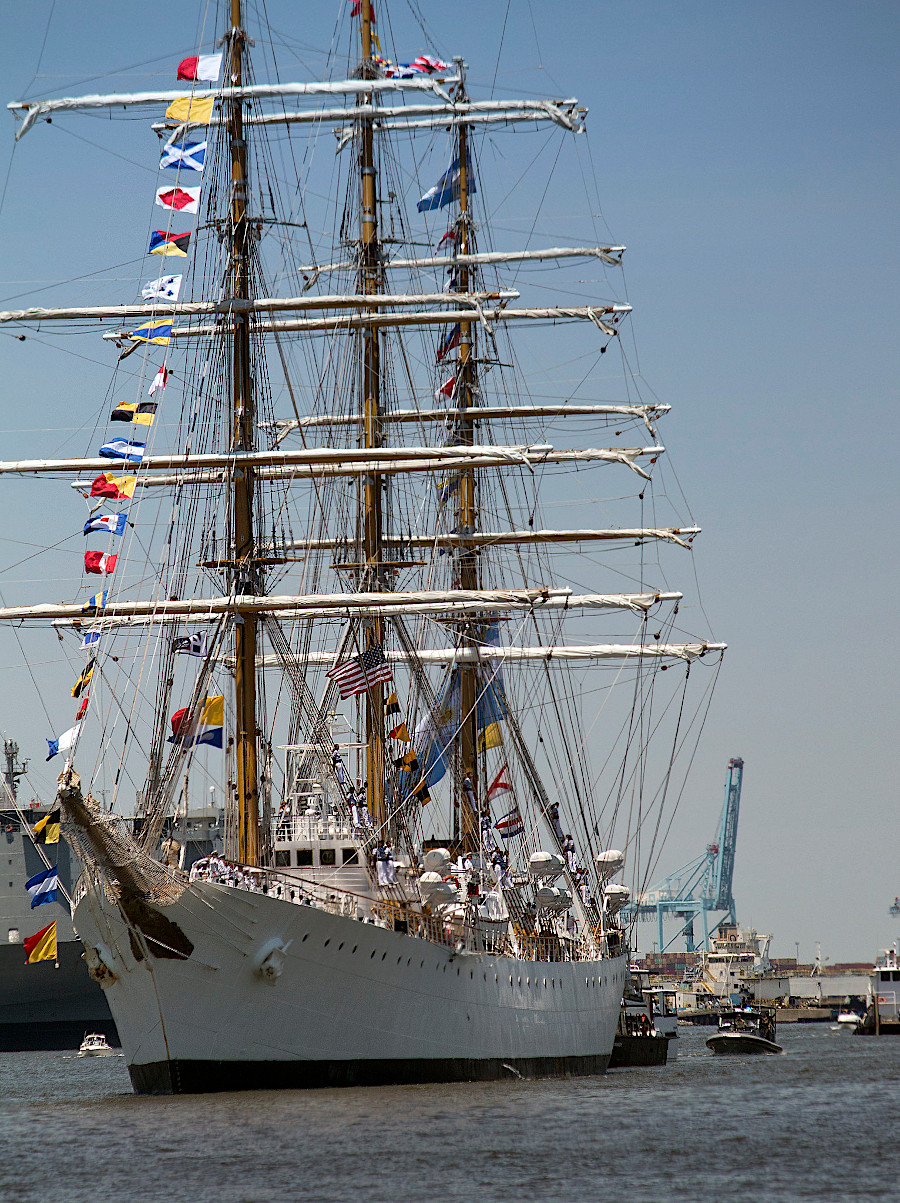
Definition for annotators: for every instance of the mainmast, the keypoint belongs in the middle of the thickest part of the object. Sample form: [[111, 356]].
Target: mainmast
[[467, 559], [245, 569], [371, 577]]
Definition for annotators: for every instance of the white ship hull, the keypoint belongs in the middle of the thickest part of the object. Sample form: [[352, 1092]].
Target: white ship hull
[[276, 994]]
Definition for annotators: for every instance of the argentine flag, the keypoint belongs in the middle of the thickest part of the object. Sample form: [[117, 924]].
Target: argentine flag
[[125, 449], [43, 886]]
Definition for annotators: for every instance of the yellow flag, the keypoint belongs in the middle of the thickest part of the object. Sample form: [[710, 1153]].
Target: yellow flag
[[490, 737], [41, 946], [186, 109]]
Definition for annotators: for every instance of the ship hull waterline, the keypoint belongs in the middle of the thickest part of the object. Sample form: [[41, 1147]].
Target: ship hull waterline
[[275, 994]]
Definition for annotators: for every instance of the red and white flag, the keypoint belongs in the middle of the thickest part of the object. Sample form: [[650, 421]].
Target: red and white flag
[[160, 380], [201, 66], [183, 200], [449, 237], [99, 562], [361, 673], [446, 389], [499, 785]]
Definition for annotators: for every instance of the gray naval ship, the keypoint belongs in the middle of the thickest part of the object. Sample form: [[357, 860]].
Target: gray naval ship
[[51, 1005]]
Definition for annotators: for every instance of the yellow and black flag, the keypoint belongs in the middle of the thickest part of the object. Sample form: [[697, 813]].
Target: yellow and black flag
[[85, 679], [141, 412], [47, 830], [391, 705]]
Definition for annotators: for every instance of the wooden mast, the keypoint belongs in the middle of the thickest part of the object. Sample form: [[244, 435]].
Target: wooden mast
[[245, 570], [467, 561], [371, 574]]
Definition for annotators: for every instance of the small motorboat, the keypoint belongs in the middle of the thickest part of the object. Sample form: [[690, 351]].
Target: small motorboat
[[95, 1044], [745, 1030]]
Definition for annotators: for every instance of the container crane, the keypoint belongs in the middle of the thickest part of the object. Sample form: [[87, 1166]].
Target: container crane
[[704, 885]]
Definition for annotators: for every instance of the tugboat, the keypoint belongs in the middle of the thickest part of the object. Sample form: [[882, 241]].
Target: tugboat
[[745, 1030]]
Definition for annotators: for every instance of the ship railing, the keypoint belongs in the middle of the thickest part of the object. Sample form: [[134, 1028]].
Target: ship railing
[[291, 829]]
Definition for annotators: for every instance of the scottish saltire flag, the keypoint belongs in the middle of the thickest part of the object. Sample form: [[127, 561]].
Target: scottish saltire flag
[[450, 342], [510, 825], [183, 200], [201, 66], [125, 449], [42, 945], [152, 332], [187, 156], [447, 187], [166, 288], [114, 523], [43, 887], [160, 380], [206, 729], [88, 640], [97, 602], [162, 243], [191, 645]]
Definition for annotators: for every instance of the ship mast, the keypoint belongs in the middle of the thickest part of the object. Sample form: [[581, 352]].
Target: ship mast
[[467, 561], [371, 573], [245, 569]]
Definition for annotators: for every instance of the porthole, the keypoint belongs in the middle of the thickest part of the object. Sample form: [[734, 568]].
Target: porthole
[[409, 960], [383, 955], [327, 942], [528, 981], [340, 946], [457, 970], [305, 938], [421, 964], [353, 949], [399, 959], [372, 953], [472, 974]]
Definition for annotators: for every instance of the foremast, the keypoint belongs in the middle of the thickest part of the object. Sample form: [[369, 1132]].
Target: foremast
[[245, 569], [371, 574]]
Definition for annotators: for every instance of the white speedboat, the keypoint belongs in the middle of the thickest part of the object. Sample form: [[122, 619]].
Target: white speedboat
[[95, 1044]]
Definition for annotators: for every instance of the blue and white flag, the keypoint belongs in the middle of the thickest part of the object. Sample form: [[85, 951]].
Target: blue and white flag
[[447, 187], [114, 523], [64, 742], [97, 601], [90, 639], [188, 156], [166, 288], [125, 449], [43, 886]]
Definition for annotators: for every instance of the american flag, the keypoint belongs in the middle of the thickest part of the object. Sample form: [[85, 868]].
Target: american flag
[[361, 673]]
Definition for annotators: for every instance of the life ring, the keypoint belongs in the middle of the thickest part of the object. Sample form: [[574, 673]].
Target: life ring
[[9, 827], [455, 881]]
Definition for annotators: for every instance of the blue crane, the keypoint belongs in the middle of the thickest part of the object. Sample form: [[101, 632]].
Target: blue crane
[[702, 886]]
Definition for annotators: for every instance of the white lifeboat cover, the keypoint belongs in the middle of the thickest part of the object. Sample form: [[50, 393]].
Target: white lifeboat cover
[[545, 864], [547, 896], [493, 909], [616, 897], [437, 860], [609, 863]]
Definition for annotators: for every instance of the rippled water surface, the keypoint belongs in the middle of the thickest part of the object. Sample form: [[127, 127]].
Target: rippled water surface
[[819, 1123]]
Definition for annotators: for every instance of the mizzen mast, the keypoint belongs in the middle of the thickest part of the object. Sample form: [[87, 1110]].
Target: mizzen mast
[[245, 569], [371, 575]]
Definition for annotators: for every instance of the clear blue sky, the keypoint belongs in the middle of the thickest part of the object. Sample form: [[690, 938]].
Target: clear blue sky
[[747, 156]]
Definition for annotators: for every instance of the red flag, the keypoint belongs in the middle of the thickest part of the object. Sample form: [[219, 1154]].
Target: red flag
[[99, 562], [119, 488], [201, 66], [499, 785], [82, 709], [446, 389]]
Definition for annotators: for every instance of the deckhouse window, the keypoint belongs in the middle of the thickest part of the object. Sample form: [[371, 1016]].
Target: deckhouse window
[[304, 857], [328, 856]]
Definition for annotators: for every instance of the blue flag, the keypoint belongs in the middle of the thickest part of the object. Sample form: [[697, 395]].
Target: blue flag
[[114, 523], [447, 187], [188, 156], [43, 886], [97, 601], [124, 449]]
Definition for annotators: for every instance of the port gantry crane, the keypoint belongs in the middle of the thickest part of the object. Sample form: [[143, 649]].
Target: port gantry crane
[[702, 887]]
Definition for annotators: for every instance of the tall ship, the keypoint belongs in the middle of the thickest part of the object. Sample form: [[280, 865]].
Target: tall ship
[[329, 585]]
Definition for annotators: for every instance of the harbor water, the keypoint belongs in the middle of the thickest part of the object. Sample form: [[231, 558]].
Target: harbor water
[[818, 1123]]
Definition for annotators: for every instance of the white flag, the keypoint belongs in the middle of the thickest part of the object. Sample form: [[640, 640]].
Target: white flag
[[166, 287], [160, 380]]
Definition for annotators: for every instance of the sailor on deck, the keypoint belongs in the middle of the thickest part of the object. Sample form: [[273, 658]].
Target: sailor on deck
[[385, 869]]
